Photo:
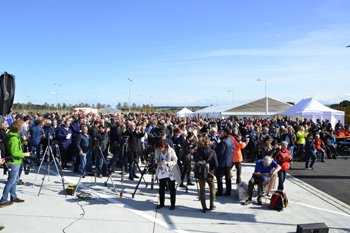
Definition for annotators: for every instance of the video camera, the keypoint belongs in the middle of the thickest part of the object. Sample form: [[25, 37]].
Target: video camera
[[27, 162]]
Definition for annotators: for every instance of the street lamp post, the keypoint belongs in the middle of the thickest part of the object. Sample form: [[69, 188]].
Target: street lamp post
[[129, 92], [267, 101], [233, 96], [57, 85]]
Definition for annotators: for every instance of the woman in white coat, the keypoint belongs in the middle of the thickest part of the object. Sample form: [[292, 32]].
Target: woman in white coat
[[167, 171]]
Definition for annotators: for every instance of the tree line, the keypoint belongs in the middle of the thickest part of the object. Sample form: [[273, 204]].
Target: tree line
[[68, 107]]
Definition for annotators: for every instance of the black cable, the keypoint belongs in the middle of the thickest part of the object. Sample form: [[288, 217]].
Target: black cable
[[82, 197]]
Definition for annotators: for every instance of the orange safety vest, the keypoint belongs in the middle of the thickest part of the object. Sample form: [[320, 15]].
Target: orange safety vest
[[237, 154]]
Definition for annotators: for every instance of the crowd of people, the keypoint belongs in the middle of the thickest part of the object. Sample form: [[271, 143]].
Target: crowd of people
[[84, 142]]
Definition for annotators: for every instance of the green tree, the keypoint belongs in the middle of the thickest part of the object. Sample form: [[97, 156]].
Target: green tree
[[119, 106], [125, 106]]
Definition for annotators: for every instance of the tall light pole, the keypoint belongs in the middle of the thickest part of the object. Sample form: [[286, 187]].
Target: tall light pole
[[129, 92], [267, 101], [217, 100], [233, 96], [57, 85], [150, 103]]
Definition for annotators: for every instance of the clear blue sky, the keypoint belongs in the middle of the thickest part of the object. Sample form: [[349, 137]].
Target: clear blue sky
[[179, 52]]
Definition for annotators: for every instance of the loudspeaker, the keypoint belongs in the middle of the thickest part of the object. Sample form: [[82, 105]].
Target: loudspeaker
[[7, 93], [312, 228]]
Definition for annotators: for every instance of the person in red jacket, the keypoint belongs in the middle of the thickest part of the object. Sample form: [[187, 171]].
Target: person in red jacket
[[237, 154], [319, 147], [283, 159]]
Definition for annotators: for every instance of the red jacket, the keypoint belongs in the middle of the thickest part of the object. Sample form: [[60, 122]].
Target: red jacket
[[319, 144], [285, 164]]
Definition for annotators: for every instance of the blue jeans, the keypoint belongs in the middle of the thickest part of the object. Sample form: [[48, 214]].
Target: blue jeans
[[299, 150], [291, 150], [281, 178], [11, 184], [322, 152], [83, 162], [310, 155]]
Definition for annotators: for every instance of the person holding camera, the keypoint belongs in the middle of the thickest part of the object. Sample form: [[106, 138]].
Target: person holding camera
[[188, 149], [167, 171], [135, 148], [14, 149]]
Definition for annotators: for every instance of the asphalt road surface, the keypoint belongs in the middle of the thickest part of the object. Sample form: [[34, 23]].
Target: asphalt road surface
[[332, 177]]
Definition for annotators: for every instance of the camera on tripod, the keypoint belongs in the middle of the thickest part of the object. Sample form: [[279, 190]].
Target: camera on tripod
[[27, 162], [124, 140]]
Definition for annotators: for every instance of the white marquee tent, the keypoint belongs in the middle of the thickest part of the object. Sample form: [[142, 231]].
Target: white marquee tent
[[310, 108], [185, 112], [255, 108], [110, 110]]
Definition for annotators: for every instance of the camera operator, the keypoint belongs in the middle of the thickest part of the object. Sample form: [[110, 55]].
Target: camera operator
[[36, 134], [14, 149], [83, 145], [49, 134], [178, 141], [95, 154], [116, 144], [102, 169], [3, 139], [188, 149], [135, 148]]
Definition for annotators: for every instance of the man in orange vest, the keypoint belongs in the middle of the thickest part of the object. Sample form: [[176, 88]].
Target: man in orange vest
[[237, 154]]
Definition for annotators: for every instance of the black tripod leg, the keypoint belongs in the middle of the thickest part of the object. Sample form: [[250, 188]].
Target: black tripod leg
[[152, 182], [138, 183], [59, 169], [143, 172], [109, 176], [42, 183]]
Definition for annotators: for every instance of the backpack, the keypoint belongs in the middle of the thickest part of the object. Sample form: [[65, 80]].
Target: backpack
[[201, 169], [279, 200]]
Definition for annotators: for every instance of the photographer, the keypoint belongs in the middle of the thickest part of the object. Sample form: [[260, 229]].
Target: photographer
[[188, 149], [135, 148], [14, 149]]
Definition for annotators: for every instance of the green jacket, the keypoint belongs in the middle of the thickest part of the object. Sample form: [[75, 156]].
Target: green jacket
[[301, 137], [14, 147]]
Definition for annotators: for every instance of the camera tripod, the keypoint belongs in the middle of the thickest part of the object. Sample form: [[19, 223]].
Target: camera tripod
[[95, 148], [51, 159], [148, 167]]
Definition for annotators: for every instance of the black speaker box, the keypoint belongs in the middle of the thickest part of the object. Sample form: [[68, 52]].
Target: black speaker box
[[312, 228]]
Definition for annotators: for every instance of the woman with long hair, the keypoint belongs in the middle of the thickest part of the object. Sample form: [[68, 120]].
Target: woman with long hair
[[167, 171]]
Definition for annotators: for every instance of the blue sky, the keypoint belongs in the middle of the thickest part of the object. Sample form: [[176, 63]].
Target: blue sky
[[179, 52]]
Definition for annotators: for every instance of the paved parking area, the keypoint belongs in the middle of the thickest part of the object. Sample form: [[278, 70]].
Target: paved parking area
[[107, 212]]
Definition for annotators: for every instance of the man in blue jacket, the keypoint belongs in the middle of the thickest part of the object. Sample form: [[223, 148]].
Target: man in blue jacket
[[64, 135], [224, 152], [83, 146], [36, 133]]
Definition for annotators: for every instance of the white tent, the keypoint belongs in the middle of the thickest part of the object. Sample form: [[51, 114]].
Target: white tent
[[110, 110], [310, 108], [185, 112], [255, 108]]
